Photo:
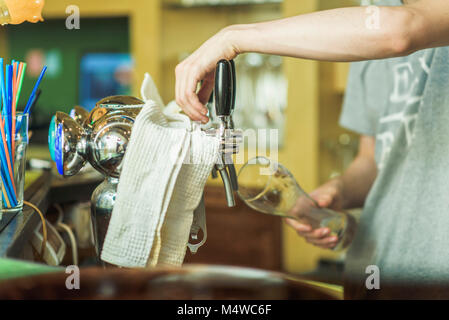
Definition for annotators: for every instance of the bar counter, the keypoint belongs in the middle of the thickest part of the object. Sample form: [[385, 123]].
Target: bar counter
[[236, 237], [41, 189]]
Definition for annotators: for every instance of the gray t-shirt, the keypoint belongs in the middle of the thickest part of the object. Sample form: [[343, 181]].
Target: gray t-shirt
[[404, 228]]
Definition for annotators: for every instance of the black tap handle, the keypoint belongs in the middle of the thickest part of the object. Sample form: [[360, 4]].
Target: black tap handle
[[223, 88], [234, 85]]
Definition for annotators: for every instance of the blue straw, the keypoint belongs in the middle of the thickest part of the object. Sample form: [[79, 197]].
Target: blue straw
[[8, 85], [6, 82], [33, 93], [7, 111], [10, 92], [12, 63], [31, 98], [6, 106]]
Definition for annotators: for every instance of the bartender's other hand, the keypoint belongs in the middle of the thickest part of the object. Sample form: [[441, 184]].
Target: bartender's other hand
[[330, 196], [200, 66]]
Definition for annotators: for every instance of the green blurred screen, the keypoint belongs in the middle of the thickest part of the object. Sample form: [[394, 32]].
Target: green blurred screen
[[62, 50]]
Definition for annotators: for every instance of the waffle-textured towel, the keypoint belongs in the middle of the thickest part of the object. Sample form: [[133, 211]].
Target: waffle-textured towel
[[165, 169]]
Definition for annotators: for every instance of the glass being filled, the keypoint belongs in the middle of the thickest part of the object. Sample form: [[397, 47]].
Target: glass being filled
[[268, 187]]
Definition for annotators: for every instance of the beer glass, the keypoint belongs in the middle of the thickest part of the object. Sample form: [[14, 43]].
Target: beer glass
[[268, 187]]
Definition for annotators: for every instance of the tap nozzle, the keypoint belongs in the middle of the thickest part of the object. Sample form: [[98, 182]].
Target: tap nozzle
[[227, 182]]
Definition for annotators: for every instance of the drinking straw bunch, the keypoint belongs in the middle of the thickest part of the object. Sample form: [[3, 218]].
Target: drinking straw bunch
[[11, 80]]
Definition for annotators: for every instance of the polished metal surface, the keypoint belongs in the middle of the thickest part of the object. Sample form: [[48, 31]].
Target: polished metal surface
[[102, 203], [72, 133], [230, 139], [99, 138], [79, 114], [120, 100], [108, 139], [229, 191]]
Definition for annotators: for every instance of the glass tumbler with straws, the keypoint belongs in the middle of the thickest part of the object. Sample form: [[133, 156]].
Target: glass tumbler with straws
[[268, 187], [13, 155]]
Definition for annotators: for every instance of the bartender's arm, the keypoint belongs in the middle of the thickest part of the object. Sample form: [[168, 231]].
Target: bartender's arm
[[333, 35], [345, 192]]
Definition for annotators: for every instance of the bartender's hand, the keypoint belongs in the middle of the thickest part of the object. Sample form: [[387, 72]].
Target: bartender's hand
[[329, 195], [200, 66], [348, 191]]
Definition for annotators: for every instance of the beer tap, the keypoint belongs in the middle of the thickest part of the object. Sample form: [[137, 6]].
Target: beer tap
[[225, 90]]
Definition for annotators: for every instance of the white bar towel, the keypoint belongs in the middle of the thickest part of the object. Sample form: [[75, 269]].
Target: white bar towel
[[164, 172]]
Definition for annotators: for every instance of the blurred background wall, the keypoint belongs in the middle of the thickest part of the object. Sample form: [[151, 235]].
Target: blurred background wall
[[120, 40]]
